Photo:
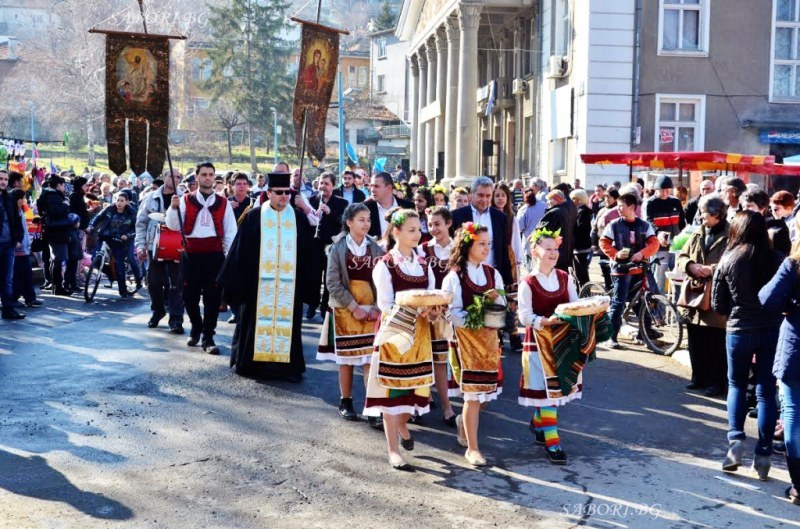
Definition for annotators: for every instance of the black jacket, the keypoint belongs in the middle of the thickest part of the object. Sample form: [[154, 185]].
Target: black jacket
[[692, 209], [11, 217], [358, 195], [500, 241], [54, 209], [738, 278], [375, 218], [77, 205], [329, 225], [559, 218], [583, 229]]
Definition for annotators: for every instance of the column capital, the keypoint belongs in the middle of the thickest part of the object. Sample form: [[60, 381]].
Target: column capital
[[421, 60], [469, 16], [414, 60], [430, 50], [452, 29]]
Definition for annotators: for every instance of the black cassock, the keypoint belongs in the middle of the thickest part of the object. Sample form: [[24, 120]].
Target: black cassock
[[239, 280]]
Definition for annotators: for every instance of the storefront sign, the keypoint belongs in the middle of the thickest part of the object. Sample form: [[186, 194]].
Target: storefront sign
[[786, 136]]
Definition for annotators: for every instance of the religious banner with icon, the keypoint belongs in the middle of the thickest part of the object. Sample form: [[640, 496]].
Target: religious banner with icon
[[319, 60], [137, 95]]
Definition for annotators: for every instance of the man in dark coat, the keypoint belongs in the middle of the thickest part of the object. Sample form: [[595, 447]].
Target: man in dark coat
[[240, 279], [481, 212], [329, 210], [557, 217], [53, 206], [10, 239], [381, 201], [348, 189]]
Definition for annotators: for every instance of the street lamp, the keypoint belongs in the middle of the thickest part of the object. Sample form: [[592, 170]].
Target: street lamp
[[275, 133]]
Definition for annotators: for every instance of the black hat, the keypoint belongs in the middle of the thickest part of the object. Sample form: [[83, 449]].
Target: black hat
[[663, 182], [190, 179], [278, 180]]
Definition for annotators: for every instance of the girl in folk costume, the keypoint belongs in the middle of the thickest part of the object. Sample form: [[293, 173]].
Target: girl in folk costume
[[539, 294], [349, 328], [437, 255], [399, 381], [422, 201], [475, 354]]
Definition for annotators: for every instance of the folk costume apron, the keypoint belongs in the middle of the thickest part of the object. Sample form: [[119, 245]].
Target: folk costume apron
[[401, 382], [538, 386], [475, 356], [344, 339], [440, 342]]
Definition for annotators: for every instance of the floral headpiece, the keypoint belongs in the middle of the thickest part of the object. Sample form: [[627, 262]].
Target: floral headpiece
[[544, 233], [398, 218], [438, 188], [400, 186], [470, 231]]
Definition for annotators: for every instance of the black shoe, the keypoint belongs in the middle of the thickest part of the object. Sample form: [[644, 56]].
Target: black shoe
[[47, 285], [209, 347], [34, 303], [415, 419], [695, 386], [232, 319], [779, 448], [346, 409], [516, 343], [714, 391], [155, 319], [753, 414], [294, 379], [193, 340], [539, 436], [450, 421], [407, 444], [176, 329], [62, 292], [13, 315], [556, 457], [375, 423], [138, 286], [311, 312]]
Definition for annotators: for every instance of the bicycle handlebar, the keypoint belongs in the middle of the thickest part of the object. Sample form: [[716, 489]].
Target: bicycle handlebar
[[645, 265]]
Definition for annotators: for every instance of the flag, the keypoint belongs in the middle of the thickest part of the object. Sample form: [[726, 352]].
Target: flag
[[66, 138], [492, 97], [52, 167]]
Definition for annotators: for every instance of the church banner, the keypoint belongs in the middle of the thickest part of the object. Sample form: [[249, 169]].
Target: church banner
[[319, 60], [137, 95]]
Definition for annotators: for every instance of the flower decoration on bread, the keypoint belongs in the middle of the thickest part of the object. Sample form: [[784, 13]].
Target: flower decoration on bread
[[544, 233]]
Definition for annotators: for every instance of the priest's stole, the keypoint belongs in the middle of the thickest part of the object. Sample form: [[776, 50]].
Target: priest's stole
[[276, 285]]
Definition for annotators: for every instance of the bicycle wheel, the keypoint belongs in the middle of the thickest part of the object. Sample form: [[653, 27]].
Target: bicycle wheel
[[93, 277], [660, 324], [592, 289], [130, 279]]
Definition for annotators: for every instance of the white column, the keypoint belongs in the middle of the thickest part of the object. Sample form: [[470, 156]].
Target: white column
[[414, 104], [441, 90], [451, 99], [467, 123], [518, 99], [430, 132], [422, 101]]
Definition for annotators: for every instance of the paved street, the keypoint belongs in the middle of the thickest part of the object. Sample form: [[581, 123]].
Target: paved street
[[105, 423]]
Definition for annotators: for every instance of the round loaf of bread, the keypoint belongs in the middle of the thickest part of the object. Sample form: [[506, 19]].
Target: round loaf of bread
[[423, 298], [585, 306]]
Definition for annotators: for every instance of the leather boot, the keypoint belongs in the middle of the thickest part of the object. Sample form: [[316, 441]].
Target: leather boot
[[793, 492]]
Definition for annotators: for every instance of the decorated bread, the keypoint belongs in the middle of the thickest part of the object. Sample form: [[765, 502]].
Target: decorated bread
[[423, 298], [585, 306]]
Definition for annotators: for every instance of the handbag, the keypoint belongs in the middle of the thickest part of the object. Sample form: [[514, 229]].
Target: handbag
[[696, 294]]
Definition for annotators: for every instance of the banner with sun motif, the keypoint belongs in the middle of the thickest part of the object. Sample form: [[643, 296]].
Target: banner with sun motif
[[137, 98], [319, 61]]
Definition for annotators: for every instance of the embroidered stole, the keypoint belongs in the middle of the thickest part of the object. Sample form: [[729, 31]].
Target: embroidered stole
[[276, 285]]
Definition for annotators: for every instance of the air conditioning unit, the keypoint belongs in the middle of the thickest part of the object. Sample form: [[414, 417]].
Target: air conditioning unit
[[520, 87], [558, 66]]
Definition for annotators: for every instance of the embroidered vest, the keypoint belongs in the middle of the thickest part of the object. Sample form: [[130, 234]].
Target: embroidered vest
[[440, 267], [402, 281], [544, 302], [469, 289], [359, 268], [217, 210]]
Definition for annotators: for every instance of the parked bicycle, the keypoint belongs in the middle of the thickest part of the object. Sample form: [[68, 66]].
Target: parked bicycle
[[104, 264]]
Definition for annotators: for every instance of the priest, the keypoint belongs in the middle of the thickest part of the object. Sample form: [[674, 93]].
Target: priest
[[262, 277]]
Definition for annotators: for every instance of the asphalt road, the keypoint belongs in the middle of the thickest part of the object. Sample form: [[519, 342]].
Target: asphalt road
[[105, 423]]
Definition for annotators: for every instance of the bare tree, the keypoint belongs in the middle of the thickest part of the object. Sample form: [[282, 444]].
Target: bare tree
[[229, 118]]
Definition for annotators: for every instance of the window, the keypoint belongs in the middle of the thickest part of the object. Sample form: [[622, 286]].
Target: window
[[381, 88], [381, 48], [200, 105], [785, 64], [683, 27], [680, 123], [363, 76], [201, 69], [559, 161], [563, 29]]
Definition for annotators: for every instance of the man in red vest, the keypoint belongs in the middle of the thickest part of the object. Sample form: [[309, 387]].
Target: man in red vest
[[210, 227]]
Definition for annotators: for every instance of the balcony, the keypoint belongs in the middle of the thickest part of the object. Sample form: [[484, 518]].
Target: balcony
[[395, 131]]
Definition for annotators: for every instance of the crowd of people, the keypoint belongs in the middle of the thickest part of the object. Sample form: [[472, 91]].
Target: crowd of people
[[345, 247]]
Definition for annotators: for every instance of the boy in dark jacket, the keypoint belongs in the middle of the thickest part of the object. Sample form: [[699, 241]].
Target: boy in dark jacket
[[119, 230]]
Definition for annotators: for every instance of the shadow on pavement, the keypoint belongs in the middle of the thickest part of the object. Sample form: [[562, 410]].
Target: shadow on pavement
[[33, 477]]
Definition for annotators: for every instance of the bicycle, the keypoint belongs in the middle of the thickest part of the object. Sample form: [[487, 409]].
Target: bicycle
[[105, 264], [656, 316]]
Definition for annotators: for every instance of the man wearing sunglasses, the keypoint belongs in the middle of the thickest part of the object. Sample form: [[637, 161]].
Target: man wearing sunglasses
[[260, 278], [209, 226]]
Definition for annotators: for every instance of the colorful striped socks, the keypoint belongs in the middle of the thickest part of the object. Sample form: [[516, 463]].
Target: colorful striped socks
[[545, 420]]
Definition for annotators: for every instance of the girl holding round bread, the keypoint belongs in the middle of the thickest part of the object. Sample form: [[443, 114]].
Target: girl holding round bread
[[399, 381], [348, 332], [475, 352]]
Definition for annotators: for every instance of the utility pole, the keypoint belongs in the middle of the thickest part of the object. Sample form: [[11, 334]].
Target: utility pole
[[275, 133]]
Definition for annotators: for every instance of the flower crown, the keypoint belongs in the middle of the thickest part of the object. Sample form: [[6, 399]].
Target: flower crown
[[400, 186], [544, 233], [398, 218], [470, 229], [438, 188]]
